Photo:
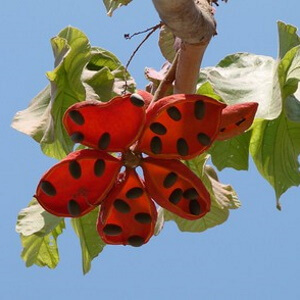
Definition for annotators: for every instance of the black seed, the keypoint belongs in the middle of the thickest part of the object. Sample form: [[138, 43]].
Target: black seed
[[121, 206], [135, 241], [48, 188], [77, 137], [112, 229], [75, 169], [240, 122], [99, 167], [199, 110], [182, 147], [158, 128], [174, 113], [190, 194], [175, 196], [203, 139], [143, 218], [137, 100], [104, 141], [222, 129], [134, 193], [156, 145], [170, 180], [194, 207], [73, 208], [77, 117]]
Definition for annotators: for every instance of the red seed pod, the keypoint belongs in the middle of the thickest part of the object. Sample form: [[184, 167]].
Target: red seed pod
[[127, 216], [236, 119], [180, 126], [105, 126], [77, 183], [176, 188]]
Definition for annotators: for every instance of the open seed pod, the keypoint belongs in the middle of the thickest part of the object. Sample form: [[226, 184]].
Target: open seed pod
[[180, 126], [128, 215], [78, 183], [176, 188], [110, 126], [236, 119]]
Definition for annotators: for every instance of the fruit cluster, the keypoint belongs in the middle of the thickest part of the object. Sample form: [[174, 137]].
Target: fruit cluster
[[153, 136]]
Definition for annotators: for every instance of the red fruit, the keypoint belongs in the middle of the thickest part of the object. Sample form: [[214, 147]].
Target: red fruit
[[236, 119], [180, 126], [176, 188], [77, 183], [127, 216], [110, 126]]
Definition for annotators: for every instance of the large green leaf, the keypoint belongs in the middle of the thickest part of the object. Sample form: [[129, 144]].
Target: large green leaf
[[39, 231], [112, 5], [223, 198], [90, 241], [245, 77], [275, 144], [81, 72]]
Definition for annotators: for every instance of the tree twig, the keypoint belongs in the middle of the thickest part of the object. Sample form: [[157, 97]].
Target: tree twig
[[167, 82]]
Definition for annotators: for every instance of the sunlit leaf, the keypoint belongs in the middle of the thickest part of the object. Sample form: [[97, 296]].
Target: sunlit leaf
[[40, 248], [245, 77], [34, 219]]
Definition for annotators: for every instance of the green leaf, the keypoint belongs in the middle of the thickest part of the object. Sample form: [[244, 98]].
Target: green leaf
[[223, 198], [275, 147], [43, 118], [245, 77], [166, 43], [289, 72], [112, 5], [105, 76], [206, 89], [41, 248], [90, 241], [81, 72], [35, 120], [288, 38], [34, 219], [38, 232], [232, 153]]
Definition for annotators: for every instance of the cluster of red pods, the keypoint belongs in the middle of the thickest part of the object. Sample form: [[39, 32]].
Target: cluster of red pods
[[152, 135]]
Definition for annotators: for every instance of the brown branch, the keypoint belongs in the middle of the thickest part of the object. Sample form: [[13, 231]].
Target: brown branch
[[192, 21]]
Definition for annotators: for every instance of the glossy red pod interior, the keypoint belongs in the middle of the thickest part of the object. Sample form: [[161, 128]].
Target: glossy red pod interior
[[128, 215], [180, 126], [77, 183], [176, 188], [236, 119], [110, 126]]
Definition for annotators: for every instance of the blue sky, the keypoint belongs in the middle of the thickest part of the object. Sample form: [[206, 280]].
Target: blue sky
[[254, 255]]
